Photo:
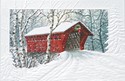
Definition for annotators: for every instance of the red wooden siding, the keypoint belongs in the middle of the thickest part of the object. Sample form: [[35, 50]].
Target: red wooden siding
[[38, 43]]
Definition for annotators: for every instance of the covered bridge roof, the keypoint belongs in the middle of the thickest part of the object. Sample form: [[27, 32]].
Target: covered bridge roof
[[46, 29]]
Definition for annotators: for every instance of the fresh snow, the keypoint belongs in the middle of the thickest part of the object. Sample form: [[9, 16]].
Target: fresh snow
[[45, 30], [69, 66]]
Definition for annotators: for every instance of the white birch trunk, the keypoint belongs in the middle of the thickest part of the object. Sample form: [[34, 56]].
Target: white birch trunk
[[49, 38]]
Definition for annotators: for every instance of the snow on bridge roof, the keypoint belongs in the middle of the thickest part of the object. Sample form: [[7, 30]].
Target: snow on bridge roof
[[45, 30]]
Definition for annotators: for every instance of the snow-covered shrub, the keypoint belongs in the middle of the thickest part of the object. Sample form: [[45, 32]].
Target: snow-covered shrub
[[28, 60]]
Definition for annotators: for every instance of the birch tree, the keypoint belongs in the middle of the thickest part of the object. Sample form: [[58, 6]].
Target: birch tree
[[55, 18], [19, 23]]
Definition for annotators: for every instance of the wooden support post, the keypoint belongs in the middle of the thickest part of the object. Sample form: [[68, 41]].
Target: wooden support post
[[82, 42]]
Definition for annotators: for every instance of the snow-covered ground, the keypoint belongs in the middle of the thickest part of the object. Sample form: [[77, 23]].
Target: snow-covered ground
[[69, 66]]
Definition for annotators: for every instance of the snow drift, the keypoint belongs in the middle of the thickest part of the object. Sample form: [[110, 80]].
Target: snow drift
[[69, 66]]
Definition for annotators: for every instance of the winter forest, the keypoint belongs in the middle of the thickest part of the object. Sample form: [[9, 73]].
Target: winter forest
[[23, 21]]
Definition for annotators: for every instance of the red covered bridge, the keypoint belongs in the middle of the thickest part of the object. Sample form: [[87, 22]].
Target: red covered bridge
[[65, 37]]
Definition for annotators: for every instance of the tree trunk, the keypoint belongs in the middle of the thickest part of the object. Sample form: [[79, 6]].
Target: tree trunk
[[49, 38], [17, 34], [22, 33], [22, 42], [92, 42], [100, 35], [48, 43]]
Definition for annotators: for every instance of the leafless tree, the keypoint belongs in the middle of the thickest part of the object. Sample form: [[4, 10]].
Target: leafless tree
[[19, 21], [55, 18], [96, 20]]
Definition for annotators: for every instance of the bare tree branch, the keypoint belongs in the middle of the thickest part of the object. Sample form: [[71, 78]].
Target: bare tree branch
[[28, 20]]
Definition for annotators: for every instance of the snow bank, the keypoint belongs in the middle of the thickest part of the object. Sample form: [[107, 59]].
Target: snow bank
[[69, 66]]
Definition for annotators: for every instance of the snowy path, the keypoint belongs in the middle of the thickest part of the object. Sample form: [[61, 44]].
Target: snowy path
[[70, 66]]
